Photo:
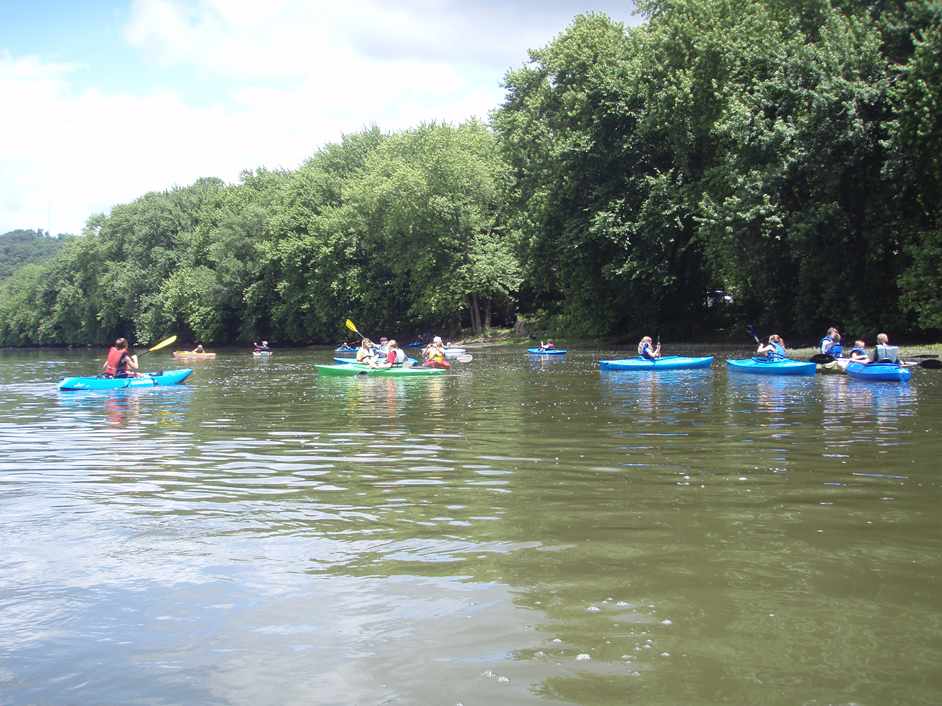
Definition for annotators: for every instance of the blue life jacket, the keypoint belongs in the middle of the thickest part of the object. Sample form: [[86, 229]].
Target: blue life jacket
[[645, 351], [829, 346], [858, 351], [836, 349], [777, 352]]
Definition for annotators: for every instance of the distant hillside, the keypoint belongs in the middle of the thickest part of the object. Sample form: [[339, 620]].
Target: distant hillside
[[19, 247]]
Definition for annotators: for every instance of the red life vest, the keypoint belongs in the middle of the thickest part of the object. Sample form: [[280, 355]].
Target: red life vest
[[117, 363]]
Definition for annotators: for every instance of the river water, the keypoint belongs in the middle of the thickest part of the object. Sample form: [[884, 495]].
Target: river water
[[521, 531]]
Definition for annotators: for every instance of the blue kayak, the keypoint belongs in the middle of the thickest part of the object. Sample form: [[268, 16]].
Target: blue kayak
[[546, 351], [667, 362], [170, 377], [764, 366], [893, 372], [353, 361]]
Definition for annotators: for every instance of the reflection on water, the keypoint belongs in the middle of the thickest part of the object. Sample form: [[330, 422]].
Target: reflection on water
[[510, 533]]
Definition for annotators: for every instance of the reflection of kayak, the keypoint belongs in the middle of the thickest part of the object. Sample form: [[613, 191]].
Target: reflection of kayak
[[893, 372], [190, 355], [170, 377], [546, 351], [667, 362], [351, 369], [352, 361], [261, 354], [764, 366]]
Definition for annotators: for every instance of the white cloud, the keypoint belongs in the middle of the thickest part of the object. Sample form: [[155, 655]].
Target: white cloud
[[297, 74]]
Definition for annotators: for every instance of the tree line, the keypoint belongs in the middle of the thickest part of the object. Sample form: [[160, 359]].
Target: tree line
[[787, 153]]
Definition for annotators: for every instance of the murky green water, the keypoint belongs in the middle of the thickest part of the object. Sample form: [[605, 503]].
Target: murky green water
[[519, 532]]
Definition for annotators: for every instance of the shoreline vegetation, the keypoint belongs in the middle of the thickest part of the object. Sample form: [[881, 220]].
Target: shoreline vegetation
[[722, 163]]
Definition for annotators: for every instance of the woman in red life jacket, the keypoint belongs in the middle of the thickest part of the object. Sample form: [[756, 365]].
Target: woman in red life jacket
[[120, 363]]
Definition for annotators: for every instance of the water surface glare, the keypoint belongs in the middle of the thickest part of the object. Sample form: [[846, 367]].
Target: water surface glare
[[520, 531]]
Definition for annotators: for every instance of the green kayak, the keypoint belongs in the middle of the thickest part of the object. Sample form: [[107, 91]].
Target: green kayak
[[352, 369]]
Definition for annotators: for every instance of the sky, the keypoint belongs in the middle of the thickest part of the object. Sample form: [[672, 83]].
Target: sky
[[105, 100]]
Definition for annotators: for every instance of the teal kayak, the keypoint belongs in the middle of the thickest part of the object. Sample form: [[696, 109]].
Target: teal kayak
[[352, 369], [169, 377], [667, 362], [891, 372], [764, 366], [547, 351]]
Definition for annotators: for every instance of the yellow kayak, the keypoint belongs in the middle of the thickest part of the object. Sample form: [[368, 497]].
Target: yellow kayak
[[190, 355]]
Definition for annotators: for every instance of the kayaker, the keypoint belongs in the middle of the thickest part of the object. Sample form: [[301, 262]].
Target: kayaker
[[647, 349], [831, 343], [365, 353], [774, 349], [434, 354], [395, 355], [198, 349], [858, 354], [548, 346], [120, 363], [263, 348], [884, 352], [383, 345]]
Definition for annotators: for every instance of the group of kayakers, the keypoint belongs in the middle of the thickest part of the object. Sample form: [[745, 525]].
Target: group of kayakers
[[388, 353]]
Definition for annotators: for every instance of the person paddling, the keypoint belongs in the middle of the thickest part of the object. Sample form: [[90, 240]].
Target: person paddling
[[831, 343], [198, 349], [647, 349], [774, 349], [120, 363], [548, 346], [262, 348]]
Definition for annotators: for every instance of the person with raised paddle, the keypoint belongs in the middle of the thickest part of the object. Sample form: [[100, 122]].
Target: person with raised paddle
[[647, 349], [120, 363], [774, 349]]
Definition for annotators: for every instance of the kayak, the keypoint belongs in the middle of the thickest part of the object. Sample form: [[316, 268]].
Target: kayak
[[667, 362], [345, 349], [454, 352], [546, 351], [764, 366], [835, 366], [893, 372], [415, 344], [352, 361], [358, 369], [190, 355], [168, 377]]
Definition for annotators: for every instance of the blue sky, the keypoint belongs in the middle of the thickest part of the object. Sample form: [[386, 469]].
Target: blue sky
[[105, 100]]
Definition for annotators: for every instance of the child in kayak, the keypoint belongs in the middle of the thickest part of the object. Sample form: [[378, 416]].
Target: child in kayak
[[120, 363], [394, 354], [434, 354], [548, 346], [775, 349], [858, 354], [198, 349], [831, 343], [365, 352], [884, 352], [647, 349]]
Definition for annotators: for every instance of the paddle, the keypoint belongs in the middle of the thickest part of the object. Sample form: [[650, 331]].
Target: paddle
[[752, 332], [353, 327], [931, 364], [163, 344], [821, 358], [924, 355]]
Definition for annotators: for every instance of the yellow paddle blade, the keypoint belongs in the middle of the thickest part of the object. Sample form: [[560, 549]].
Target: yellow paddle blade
[[163, 344], [352, 326]]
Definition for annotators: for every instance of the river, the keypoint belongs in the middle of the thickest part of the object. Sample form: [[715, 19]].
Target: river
[[520, 531]]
